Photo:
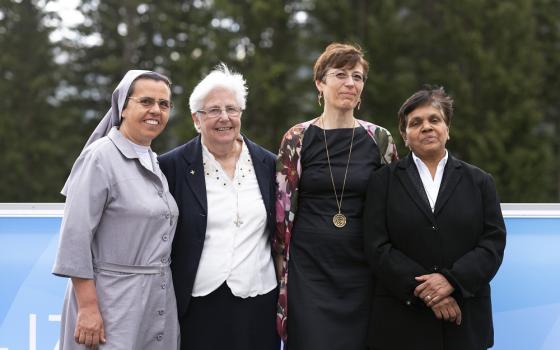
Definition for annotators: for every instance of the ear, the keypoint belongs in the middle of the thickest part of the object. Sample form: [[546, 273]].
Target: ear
[[196, 122], [124, 113], [319, 85], [403, 135], [123, 117]]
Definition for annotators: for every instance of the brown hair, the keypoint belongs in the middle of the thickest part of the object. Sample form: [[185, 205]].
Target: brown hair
[[338, 55], [429, 95]]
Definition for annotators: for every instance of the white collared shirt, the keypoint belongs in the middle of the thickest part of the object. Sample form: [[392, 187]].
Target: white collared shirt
[[431, 186], [236, 248]]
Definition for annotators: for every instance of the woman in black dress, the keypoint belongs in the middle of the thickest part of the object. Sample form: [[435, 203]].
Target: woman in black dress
[[319, 238]]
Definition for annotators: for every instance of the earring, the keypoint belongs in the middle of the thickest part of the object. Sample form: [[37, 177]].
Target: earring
[[319, 97], [405, 143], [359, 104]]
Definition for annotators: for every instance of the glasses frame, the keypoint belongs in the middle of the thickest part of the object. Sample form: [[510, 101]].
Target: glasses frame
[[337, 75], [210, 115], [153, 102]]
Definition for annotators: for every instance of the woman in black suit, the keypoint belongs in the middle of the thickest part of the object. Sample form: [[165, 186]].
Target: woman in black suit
[[435, 237]]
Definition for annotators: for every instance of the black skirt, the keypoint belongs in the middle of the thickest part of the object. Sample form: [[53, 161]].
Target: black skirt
[[220, 320]]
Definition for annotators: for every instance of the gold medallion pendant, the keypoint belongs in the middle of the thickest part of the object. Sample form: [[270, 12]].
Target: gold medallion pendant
[[339, 220]]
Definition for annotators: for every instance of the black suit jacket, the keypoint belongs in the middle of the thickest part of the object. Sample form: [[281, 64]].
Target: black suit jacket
[[464, 239], [185, 173]]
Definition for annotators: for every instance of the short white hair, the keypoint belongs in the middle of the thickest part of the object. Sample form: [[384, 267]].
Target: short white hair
[[220, 77]]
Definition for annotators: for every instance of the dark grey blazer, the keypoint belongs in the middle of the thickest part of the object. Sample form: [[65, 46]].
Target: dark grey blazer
[[464, 239], [185, 174]]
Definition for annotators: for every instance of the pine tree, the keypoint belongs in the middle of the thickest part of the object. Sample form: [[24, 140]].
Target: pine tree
[[31, 131], [497, 59], [548, 44], [484, 54]]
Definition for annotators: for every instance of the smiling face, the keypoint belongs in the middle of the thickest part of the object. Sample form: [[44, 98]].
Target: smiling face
[[342, 87], [426, 132], [224, 129], [141, 124]]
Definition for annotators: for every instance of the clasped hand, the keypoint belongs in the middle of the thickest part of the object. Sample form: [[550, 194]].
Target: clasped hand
[[435, 291]]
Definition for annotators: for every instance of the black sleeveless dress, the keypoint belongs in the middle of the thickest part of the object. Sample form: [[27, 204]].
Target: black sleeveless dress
[[330, 282]]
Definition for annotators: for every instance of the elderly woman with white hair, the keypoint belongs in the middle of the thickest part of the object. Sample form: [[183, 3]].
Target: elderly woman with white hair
[[224, 186]]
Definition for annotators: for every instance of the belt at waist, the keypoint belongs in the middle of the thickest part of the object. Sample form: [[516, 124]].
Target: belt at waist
[[139, 269]]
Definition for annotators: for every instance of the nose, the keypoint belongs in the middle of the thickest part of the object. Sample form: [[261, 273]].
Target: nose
[[349, 81], [155, 108], [426, 125], [223, 114]]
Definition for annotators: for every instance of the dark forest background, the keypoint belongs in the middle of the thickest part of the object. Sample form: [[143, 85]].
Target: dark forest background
[[500, 60]]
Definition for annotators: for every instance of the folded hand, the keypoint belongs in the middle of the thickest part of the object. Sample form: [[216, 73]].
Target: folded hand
[[447, 309], [433, 289]]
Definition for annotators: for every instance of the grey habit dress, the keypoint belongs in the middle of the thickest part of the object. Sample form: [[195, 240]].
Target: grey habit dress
[[118, 225]]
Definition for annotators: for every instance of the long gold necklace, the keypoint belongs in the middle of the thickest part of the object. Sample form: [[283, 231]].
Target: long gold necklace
[[339, 219]]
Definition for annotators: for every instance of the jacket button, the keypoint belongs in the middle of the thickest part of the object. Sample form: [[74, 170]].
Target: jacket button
[[435, 268], [434, 228], [408, 303]]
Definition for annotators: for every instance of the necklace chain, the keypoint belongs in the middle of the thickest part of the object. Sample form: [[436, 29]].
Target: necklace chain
[[339, 219], [212, 169]]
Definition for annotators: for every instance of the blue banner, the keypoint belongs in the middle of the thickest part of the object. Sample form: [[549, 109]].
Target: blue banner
[[526, 291]]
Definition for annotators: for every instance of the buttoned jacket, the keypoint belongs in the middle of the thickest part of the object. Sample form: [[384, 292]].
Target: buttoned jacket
[[184, 169], [463, 239]]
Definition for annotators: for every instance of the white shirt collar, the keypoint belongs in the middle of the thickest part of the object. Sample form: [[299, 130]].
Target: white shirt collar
[[441, 163], [431, 185]]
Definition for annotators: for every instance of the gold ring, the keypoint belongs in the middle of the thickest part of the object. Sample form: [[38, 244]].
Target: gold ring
[[428, 297]]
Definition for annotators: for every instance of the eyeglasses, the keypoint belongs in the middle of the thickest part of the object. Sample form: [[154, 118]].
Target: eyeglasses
[[148, 102], [215, 112], [342, 76]]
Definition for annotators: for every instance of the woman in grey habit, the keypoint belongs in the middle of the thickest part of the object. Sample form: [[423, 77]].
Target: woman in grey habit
[[118, 225]]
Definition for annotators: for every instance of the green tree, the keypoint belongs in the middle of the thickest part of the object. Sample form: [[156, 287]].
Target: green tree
[[497, 59], [186, 39], [115, 36], [265, 49], [32, 133], [484, 54], [548, 44]]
